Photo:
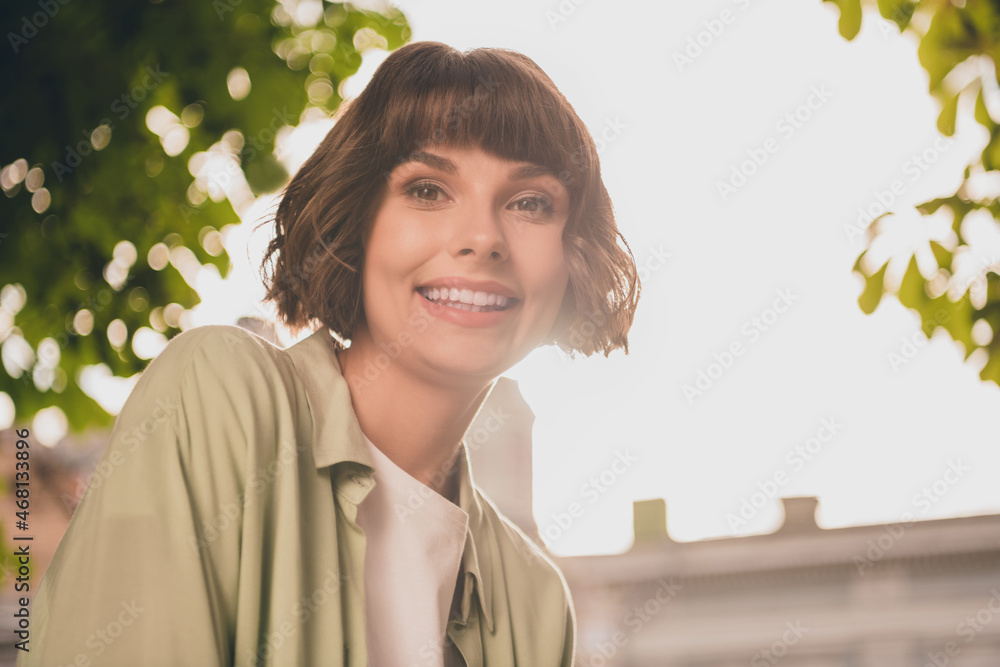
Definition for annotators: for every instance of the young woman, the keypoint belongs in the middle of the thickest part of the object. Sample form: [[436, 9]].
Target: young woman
[[315, 505]]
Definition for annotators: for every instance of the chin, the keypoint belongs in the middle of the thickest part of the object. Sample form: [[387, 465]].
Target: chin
[[449, 359]]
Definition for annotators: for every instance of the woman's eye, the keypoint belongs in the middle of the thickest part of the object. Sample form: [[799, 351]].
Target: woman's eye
[[425, 192], [533, 205]]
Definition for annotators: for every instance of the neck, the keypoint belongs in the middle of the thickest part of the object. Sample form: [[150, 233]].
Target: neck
[[417, 423]]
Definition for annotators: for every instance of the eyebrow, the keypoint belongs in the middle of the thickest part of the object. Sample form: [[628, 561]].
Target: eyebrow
[[431, 160], [531, 171], [449, 167]]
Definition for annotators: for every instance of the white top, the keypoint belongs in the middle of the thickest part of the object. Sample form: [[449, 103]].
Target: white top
[[415, 538]]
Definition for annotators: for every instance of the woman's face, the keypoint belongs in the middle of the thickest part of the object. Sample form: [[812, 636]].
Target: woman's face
[[464, 268]]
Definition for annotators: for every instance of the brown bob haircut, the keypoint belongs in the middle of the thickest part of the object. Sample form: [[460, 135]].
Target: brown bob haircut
[[428, 93]]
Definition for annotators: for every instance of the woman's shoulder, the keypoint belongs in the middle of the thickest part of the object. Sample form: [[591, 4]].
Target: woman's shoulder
[[227, 392], [230, 350], [220, 365], [215, 343]]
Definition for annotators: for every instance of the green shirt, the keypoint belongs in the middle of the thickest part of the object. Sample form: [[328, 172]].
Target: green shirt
[[220, 529]]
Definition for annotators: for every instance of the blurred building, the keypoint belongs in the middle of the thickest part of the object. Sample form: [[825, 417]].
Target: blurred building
[[910, 594]]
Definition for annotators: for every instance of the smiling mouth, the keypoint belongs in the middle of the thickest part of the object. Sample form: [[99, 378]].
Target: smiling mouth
[[465, 299]]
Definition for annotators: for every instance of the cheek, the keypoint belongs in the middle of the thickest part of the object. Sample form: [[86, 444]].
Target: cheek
[[401, 236], [396, 248], [390, 250], [380, 273]]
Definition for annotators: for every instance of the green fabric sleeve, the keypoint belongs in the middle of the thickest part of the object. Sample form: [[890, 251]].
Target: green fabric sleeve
[[138, 578]]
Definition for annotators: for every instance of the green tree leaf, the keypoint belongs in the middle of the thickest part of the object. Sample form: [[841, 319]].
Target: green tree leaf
[[942, 255], [949, 111], [850, 17], [981, 114], [872, 293], [899, 11], [911, 289]]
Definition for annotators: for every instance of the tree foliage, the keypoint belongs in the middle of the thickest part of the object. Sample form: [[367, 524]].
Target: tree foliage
[[956, 43], [104, 222]]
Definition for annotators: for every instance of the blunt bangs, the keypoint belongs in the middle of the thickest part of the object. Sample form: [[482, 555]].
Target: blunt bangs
[[500, 102]]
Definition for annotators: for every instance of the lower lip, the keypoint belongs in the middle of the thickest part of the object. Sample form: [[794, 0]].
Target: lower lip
[[465, 318]]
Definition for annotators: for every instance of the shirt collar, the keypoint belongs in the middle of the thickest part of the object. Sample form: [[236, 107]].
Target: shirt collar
[[338, 439]]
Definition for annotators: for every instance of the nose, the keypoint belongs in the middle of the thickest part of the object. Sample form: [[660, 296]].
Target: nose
[[479, 232]]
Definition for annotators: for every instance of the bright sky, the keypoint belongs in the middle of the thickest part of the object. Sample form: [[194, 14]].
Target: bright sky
[[895, 430], [765, 267]]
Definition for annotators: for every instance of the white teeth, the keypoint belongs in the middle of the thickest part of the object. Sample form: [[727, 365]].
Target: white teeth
[[465, 299]]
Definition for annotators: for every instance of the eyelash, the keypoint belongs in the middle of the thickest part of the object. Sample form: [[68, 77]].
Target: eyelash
[[545, 206], [414, 188]]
